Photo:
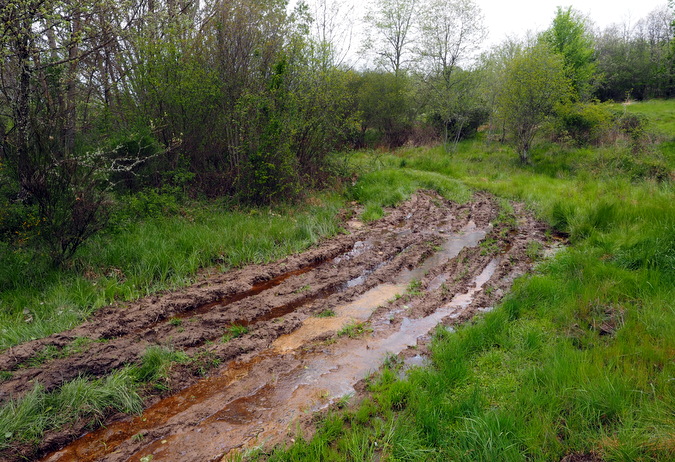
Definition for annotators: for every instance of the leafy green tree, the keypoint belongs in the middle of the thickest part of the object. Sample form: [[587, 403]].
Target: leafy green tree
[[51, 55], [570, 36], [384, 106], [535, 84], [637, 61], [490, 74]]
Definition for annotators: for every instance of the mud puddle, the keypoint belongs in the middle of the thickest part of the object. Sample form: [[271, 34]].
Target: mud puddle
[[267, 414], [389, 281], [258, 410]]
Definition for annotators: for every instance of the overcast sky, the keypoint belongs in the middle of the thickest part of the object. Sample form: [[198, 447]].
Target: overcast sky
[[515, 18]]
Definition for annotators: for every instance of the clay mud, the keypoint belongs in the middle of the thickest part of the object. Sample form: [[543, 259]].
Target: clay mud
[[318, 323]]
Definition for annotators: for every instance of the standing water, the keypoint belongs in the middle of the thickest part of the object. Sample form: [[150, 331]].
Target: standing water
[[256, 401]]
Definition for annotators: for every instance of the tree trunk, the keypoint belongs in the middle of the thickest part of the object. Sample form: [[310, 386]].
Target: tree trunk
[[22, 108], [71, 89]]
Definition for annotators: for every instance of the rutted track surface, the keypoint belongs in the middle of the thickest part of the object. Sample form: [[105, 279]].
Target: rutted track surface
[[283, 367]]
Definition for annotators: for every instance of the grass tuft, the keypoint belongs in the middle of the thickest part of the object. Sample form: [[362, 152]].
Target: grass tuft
[[234, 331], [354, 329], [27, 419]]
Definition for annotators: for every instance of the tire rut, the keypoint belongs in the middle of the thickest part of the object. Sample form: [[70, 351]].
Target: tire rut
[[278, 300]]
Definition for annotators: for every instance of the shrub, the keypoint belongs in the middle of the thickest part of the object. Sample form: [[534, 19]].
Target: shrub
[[584, 123]]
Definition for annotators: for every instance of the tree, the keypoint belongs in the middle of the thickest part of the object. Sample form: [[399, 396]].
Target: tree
[[48, 59], [450, 30], [637, 61], [331, 33], [569, 36], [492, 73], [384, 106], [535, 84], [392, 23]]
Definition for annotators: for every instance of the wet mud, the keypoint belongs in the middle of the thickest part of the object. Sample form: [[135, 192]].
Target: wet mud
[[318, 322]]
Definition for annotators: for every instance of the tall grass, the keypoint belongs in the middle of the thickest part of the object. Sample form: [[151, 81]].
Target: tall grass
[[148, 255], [389, 187], [26, 420]]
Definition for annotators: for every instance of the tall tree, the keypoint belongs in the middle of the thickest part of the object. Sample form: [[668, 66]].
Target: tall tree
[[332, 35], [535, 84], [450, 31], [570, 36], [392, 32]]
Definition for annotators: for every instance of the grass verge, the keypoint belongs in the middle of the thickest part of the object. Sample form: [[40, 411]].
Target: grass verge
[[26, 420]]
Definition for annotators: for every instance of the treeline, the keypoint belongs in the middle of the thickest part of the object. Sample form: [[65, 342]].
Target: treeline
[[246, 99], [636, 61]]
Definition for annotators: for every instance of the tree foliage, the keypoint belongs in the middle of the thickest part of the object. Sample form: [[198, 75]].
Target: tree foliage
[[392, 23], [384, 106], [246, 99], [450, 31], [535, 84], [570, 36], [51, 52], [101, 97], [637, 61]]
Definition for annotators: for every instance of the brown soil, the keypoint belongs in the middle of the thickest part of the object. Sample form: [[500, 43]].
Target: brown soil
[[427, 261]]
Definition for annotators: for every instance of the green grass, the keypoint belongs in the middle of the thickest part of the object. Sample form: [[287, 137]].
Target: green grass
[[142, 257], [661, 114], [414, 288], [234, 331], [577, 360], [354, 329], [26, 420], [155, 366], [326, 314], [51, 352], [389, 187]]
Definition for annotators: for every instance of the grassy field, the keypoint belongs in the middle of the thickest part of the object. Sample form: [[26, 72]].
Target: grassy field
[[579, 358]]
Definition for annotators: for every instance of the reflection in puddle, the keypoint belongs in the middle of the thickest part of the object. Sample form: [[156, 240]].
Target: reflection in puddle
[[469, 236], [357, 250], [358, 310]]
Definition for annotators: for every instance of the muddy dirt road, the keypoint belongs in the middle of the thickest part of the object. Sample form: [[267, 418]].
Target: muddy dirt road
[[429, 261]]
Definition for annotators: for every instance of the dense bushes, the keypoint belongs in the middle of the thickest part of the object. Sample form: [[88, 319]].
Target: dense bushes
[[595, 124], [238, 99]]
